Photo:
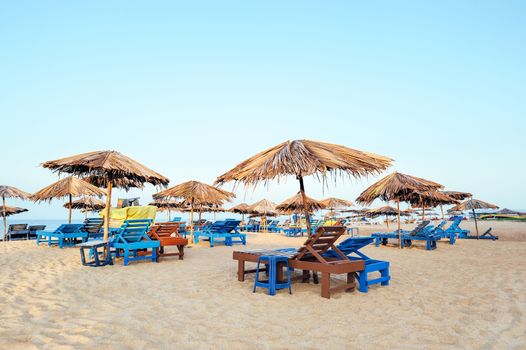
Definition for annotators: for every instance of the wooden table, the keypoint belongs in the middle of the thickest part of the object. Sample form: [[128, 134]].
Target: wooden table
[[326, 269]]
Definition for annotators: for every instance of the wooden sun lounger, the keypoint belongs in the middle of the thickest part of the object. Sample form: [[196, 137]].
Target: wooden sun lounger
[[309, 257], [167, 233]]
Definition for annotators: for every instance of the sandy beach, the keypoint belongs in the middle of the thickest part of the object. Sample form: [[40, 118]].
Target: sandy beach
[[470, 295]]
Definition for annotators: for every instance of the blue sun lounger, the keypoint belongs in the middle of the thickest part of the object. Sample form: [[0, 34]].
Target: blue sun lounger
[[131, 238], [351, 247], [454, 227], [66, 235], [440, 232], [226, 230], [273, 226], [419, 233], [293, 231]]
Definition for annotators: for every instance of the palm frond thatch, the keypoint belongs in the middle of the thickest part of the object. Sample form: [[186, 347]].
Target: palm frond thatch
[[301, 158], [69, 186], [385, 210], [241, 208], [396, 186], [429, 199], [472, 204], [8, 211], [108, 166], [13, 192], [295, 203], [86, 203], [457, 195], [165, 204], [263, 207], [196, 192], [336, 203]]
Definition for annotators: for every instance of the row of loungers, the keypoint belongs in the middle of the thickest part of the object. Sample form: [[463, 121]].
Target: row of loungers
[[320, 254], [23, 231], [139, 239], [430, 234]]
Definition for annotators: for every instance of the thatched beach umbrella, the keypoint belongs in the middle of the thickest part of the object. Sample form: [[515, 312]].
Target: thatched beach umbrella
[[69, 187], [295, 203], [8, 211], [459, 196], [396, 187], [332, 204], [302, 158], [385, 210], [110, 169], [86, 204], [430, 199], [10, 192], [241, 208], [197, 195], [263, 208], [167, 205], [472, 204]]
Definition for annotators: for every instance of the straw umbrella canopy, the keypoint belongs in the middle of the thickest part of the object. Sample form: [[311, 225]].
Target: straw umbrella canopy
[[8, 211], [86, 204], [111, 169], [332, 204], [166, 205], [295, 203], [69, 187], [263, 208], [10, 192], [302, 158], [472, 204], [385, 210], [396, 187], [241, 208], [430, 199], [196, 194]]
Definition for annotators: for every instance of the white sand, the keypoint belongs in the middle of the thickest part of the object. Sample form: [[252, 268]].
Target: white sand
[[471, 295]]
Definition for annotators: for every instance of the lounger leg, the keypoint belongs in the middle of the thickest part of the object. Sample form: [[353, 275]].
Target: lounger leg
[[49, 241], [377, 241], [82, 256], [181, 252], [154, 255], [384, 273], [325, 285], [362, 279], [211, 241], [306, 276], [126, 257]]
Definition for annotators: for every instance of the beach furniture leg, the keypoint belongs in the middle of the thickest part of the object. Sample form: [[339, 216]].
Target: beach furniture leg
[[384, 273], [241, 270], [305, 276], [211, 241], [154, 255], [362, 280], [325, 285], [126, 257], [82, 256]]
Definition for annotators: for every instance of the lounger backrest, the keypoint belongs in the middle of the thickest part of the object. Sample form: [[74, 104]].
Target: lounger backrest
[[353, 245], [69, 228], [319, 243], [176, 219], [419, 228], [93, 225], [35, 228], [134, 230], [217, 226], [165, 229], [231, 225], [17, 227]]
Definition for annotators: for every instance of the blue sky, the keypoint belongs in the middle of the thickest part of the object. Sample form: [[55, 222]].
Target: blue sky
[[190, 89]]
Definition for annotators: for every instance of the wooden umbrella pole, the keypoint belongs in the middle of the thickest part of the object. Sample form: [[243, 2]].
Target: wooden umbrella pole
[[442, 211], [192, 221], [69, 213], [4, 218], [107, 211], [423, 212], [169, 214], [305, 209], [387, 221], [399, 230], [476, 225]]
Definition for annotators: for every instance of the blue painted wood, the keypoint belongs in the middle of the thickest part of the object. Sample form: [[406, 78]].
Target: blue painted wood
[[419, 233], [225, 231], [351, 248], [66, 235], [272, 284], [131, 238]]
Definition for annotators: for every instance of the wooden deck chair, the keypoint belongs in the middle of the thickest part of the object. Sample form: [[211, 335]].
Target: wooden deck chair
[[167, 233]]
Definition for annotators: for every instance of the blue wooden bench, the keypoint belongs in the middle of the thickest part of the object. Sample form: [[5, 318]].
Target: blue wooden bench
[[352, 246], [455, 228], [132, 238], [66, 235], [440, 232], [293, 231], [226, 230]]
